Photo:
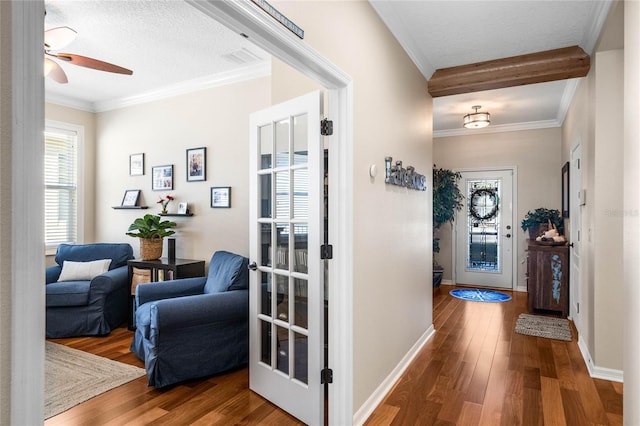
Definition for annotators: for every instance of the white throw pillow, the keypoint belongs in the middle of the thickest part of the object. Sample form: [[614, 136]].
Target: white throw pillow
[[82, 271]]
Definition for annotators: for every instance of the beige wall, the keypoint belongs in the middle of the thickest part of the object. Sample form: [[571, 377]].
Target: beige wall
[[217, 119], [594, 119], [88, 121], [536, 154], [392, 117], [608, 210], [631, 224]]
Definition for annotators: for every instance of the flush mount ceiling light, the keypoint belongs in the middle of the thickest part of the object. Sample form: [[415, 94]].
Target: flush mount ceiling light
[[476, 120]]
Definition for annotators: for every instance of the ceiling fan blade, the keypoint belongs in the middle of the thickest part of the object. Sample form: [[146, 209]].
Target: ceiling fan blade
[[59, 37], [55, 71], [84, 61]]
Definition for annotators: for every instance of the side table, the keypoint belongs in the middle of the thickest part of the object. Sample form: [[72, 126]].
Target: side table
[[157, 270]]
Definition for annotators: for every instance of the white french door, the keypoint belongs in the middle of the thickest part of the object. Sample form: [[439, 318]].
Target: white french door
[[286, 282], [575, 216], [484, 229]]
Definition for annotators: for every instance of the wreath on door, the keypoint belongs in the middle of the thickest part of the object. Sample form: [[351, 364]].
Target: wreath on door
[[475, 208]]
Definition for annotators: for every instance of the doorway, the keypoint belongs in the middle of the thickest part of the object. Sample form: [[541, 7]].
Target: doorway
[[484, 235]]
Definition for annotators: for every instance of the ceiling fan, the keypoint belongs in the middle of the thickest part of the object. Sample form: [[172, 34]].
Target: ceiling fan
[[59, 37]]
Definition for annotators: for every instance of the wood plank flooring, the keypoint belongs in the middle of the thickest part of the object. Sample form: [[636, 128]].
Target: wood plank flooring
[[475, 371]]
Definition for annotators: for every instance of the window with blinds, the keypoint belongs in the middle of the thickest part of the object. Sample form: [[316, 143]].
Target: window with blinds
[[61, 184]]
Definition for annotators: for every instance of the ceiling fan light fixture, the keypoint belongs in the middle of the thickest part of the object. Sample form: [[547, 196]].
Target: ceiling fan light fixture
[[476, 120], [59, 37]]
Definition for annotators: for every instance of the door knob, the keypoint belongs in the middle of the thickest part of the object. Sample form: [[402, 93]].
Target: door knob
[[253, 266]]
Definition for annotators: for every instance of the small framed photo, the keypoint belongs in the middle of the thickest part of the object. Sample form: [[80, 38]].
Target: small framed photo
[[183, 208], [196, 164], [136, 164], [162, 178], [565, 190], [221, 197], [130, 198]]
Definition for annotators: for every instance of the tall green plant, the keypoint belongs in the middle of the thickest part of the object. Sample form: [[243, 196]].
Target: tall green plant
[[447, 199]]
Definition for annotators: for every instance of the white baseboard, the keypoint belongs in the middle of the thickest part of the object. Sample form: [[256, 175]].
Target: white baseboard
[[521, 288], [447, 282], [595, 371], [387, 384]]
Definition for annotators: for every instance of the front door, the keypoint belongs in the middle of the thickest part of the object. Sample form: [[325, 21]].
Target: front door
[[484, 230], [286, 285]]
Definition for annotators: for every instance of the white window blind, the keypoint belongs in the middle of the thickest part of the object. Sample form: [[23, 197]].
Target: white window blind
[[61, 184]]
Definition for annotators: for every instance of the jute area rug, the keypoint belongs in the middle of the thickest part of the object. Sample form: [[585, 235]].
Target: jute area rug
[[540, 326], [73, 376]]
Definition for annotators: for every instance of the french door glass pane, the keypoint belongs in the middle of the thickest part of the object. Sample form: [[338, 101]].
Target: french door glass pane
[[282, 194], [300, 143], [282, 143], [282, 302], [300, 315], [265, 244], [265, 195], [301, 193], [301, 349], [265, 339], [265, 293], [282, 336], [266, 147], [282, 249]]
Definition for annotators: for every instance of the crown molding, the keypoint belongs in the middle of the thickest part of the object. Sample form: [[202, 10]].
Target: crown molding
[[514, 127], [600, 14], [221, 79]]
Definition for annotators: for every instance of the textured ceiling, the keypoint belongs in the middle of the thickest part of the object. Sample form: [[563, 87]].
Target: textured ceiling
[[442, 34], [173, 48], [165, 43]]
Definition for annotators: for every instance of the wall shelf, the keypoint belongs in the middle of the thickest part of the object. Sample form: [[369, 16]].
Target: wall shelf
[[175, 214], [130, 207]]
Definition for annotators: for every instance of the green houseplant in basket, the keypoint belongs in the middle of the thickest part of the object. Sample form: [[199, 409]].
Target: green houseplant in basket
[[151, 230], [536, 221], [447, 200]]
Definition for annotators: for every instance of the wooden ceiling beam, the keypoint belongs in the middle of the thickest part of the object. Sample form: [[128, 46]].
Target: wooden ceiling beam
[[540, 67]]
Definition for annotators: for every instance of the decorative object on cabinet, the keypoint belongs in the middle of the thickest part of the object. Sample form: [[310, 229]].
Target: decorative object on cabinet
[[151, 230], [536, 221], [164, 201], [565, 190], [136, 164], [131, 197], [547, 278], [221, 197], [158, 270], [196, 164], [162, 178]]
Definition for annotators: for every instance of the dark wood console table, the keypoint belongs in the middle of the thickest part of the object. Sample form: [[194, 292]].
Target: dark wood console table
[[157, 270], [548, 278]]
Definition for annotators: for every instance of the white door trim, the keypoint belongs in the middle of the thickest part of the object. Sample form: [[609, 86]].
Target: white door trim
[[243, 17], [22, 262], [515, 226]]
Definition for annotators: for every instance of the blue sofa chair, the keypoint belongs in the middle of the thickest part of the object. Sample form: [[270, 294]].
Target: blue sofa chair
[[194, 327], [88, 307]]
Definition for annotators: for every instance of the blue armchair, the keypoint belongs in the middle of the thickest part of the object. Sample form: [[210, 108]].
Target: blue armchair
[[194, 327], [87, 306]]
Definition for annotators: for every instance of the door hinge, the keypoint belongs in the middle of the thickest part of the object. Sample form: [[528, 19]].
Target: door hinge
[[578, 307], [578, 164], [326, 251], [326, 376], [326, 127]]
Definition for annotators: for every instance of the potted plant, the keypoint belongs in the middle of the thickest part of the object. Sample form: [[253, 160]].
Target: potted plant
[[536, 221], [151, 230], [447, 200]]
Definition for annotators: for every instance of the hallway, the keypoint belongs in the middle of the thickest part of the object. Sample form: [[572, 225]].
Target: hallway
[[477, 370]]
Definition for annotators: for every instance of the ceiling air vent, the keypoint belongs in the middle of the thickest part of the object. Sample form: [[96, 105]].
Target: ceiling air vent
[[242, 57]]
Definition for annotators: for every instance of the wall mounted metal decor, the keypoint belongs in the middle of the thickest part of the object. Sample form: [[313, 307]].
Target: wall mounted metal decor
[[407, 178]]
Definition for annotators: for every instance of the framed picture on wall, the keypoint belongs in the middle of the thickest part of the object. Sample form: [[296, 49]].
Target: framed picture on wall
[[136, 164], [221, 197], [130, 198], [565, 190], [196, 164], [162, 178]]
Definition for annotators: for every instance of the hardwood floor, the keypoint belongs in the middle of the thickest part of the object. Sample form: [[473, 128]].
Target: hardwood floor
[[475, 370]]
